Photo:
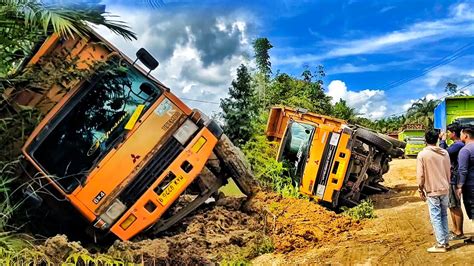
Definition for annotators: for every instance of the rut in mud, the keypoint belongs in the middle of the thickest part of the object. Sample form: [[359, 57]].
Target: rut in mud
[[228, 228]]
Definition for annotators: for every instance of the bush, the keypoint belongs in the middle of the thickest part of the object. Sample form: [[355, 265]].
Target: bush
[[365, 210]]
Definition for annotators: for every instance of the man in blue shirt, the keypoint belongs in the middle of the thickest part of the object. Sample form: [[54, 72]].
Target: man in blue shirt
[[454, 133], [465, 184]]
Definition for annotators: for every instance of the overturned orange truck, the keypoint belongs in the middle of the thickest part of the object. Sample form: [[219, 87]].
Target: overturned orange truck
[[119, 146], [329, 159]]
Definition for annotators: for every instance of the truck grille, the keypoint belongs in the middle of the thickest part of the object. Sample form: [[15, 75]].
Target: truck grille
[[151, 171], [326, 163]]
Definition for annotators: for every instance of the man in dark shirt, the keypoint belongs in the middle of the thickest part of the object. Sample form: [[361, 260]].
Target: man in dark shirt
[[465, 184], [454, 133]]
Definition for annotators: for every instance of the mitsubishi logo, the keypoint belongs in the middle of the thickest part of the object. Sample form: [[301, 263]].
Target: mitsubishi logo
[[135, 157]]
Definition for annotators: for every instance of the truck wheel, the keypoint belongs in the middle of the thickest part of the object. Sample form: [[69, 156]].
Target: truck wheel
[[233, 163], [395, 142], [374, 139]]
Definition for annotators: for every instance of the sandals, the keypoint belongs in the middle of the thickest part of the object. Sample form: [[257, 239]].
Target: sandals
[[453, 236]]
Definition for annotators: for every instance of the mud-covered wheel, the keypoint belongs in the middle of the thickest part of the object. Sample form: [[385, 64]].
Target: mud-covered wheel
[[395, 142], [374, 139], [233, 162]]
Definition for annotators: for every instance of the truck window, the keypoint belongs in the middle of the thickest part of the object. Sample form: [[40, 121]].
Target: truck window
[[416, 141], [295, 149], [93, 125]]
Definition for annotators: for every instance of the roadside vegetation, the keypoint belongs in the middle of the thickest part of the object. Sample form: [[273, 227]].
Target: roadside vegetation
[[365, 210]]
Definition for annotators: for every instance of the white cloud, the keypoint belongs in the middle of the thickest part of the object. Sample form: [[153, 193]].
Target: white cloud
[[368, 103], [387, 8], [459, 23], [350, 68], [198, 53]]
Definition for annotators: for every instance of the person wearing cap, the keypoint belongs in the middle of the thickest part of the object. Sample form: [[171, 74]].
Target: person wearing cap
[[433, 174], [465, 183], [454, 205]]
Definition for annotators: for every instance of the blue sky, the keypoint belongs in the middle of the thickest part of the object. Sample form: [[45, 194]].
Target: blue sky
[[364, 46]]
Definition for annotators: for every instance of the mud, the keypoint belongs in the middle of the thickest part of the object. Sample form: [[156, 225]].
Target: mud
[[400, 234], [299, 224], [228, 229], [58, 248], [200, 239]]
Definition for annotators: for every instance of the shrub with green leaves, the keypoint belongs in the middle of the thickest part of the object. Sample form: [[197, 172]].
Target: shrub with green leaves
[[261, 154], [365, 210]]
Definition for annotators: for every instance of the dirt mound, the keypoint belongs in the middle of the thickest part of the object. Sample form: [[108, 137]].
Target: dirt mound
[[58, 248], [299, 224], [213, 232], [205, 237], [228, 229]]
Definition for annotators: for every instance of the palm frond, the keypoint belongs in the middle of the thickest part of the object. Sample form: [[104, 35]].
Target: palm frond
[[67, 21]]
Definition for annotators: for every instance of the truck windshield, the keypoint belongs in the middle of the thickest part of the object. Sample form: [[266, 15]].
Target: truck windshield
[[91, 123], [295, 149]]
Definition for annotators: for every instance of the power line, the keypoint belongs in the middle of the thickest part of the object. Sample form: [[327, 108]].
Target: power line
[[443, 61], [201, 101], [442, 97]]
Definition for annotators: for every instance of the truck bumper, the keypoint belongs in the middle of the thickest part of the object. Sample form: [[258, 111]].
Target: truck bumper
[[151, 206]]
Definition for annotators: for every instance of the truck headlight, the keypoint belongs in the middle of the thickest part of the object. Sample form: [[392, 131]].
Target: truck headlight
[[185, 131], [113, 212]]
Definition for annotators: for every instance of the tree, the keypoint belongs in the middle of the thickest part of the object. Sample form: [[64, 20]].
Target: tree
[[388, 124], [343, 111], [422, 112], [307, 75], [261, 47], [63, 17], [25, 22], [239, 109], [451, 88], [303, 93]]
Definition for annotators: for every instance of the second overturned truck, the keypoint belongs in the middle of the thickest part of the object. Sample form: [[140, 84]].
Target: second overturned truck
[[329, 159]]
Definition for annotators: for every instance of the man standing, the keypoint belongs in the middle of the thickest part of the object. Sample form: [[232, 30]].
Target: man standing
[[465, 185], [433, 172], [454, 202]]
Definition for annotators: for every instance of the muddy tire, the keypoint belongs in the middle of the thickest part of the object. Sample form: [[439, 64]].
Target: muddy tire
[[233, 163], [395, 142], [374, 139]]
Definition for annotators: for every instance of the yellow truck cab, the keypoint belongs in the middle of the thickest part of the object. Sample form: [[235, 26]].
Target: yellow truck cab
[[328, 159], [413, 135]]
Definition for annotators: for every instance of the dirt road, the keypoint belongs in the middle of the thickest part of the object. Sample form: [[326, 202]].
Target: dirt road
[[400, 234]]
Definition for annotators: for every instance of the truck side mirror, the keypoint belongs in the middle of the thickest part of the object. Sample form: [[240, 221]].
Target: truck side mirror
[[147, 88], [147, 59]]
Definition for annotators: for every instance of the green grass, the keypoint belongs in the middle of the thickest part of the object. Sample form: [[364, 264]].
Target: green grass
[[365, 210], [262, 245], [231, 189]]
